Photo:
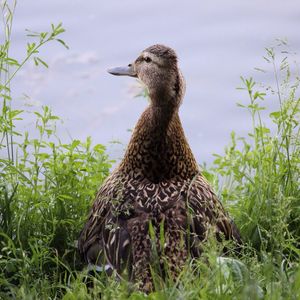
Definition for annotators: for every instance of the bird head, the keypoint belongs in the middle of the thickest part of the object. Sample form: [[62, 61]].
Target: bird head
[[157, 68]]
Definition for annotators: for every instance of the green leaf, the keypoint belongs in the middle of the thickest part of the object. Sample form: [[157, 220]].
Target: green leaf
[[63, 43], [276, 114], [74, 144], [38, 60], [12, 62]]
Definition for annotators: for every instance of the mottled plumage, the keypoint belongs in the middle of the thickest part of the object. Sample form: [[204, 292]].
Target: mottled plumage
[[158, 184]]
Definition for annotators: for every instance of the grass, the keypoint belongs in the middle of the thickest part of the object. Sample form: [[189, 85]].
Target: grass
[[46, 189]]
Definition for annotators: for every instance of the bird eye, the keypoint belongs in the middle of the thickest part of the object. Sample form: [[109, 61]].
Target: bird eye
[[147, 59]]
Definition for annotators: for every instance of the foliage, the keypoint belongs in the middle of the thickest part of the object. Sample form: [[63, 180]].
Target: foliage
[[46, 187], [262, 171], [259, 175]]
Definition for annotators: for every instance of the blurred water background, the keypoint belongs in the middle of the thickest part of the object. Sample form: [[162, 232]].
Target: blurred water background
[[216, 41]]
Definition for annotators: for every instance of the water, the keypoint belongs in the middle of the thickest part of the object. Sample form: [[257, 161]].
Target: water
[[216, 41]]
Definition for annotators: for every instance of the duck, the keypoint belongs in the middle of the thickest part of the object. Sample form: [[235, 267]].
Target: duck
[[157, 188]]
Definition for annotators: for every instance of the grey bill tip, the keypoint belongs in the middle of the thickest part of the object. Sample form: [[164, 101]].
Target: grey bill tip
[[122, 71]]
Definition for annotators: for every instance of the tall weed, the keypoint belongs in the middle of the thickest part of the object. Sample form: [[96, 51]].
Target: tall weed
[[46, 186], [262, 172]]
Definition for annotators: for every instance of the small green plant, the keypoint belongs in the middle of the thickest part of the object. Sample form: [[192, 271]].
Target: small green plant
[[258, 178], [262, 171], [9, 67], [46, 186]]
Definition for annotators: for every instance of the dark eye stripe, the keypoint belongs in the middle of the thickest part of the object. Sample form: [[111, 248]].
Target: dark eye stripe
[[141, 59]]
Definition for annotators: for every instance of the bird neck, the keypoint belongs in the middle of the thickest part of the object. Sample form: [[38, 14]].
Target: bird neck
[[158, 149], [167, 91]]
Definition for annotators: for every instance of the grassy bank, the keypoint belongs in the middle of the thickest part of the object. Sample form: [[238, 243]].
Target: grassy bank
[[46, 189]]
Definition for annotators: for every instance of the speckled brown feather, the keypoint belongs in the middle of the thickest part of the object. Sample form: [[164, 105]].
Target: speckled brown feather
[[158, 181]]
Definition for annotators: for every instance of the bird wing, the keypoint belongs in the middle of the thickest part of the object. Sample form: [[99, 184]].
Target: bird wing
[[206, 212], [104, 235]]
